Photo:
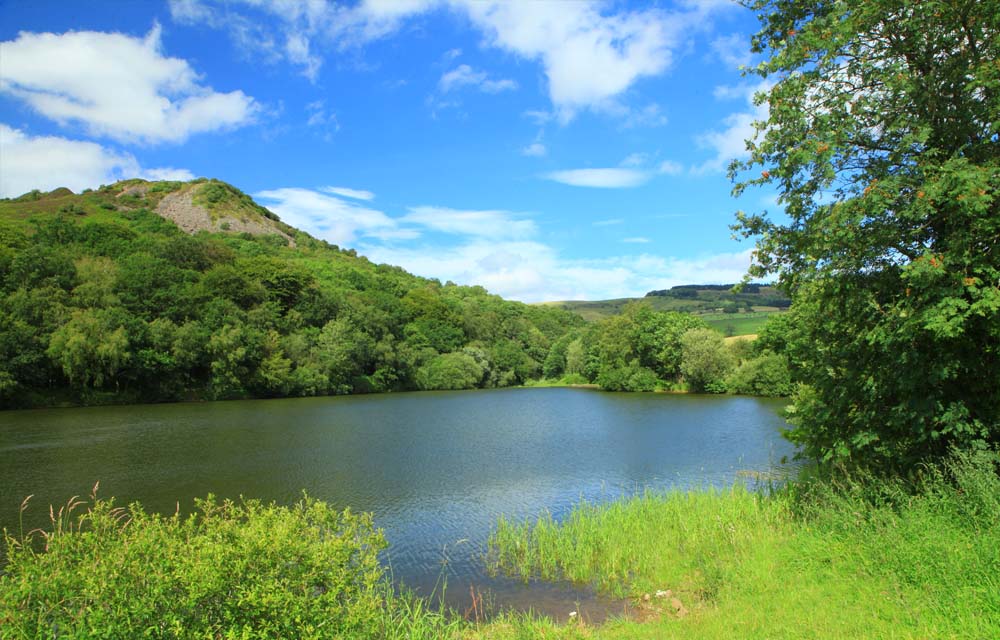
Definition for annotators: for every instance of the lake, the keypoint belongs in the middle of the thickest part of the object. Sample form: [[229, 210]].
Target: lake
[[435, 468]]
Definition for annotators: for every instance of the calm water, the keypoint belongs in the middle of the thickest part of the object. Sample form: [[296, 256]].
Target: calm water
[[436, 469]]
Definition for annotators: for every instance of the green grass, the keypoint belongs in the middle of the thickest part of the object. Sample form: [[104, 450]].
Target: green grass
[[737, 324], [853, 559]]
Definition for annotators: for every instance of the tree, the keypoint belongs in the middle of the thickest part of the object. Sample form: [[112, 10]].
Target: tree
[[705, 360], [450, 371], [92, 348], [882, 139]]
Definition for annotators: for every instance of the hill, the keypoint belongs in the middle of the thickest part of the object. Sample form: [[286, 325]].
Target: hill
[[153, 291], [719, 306]]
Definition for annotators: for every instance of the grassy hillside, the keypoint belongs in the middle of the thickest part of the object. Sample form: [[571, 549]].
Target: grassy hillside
[[148, 291], [731, 313]]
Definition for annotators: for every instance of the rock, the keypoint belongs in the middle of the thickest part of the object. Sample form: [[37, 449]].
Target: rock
[[664, 594]]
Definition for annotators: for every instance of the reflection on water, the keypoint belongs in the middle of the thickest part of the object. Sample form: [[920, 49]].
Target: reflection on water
[[436, 469]]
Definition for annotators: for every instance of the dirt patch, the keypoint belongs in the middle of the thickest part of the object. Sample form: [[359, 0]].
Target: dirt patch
[[138, 190], [181, 209]]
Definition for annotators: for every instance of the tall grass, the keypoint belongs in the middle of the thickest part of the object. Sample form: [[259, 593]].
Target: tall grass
[[843, 556]]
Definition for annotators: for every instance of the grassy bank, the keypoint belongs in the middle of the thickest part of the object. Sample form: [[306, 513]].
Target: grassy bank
[[852, 558], [855, 558]]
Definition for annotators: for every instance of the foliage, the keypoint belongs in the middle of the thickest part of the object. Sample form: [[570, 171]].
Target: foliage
[[706, 360], [451, 371], [883, 139], [230, 569], [764, 375], [122, 306]]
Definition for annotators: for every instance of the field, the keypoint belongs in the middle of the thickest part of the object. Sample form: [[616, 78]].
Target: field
[[733, 314]]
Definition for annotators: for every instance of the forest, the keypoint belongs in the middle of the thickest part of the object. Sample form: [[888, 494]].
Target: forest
[[107, 301]]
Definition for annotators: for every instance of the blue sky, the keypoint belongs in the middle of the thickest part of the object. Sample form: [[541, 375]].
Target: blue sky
[[545, 150]]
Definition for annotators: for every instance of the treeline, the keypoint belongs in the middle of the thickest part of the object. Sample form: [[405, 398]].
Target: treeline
[[102, 303], [644, 350]]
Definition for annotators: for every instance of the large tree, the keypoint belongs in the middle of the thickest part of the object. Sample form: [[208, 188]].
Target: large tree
[[882, 139]]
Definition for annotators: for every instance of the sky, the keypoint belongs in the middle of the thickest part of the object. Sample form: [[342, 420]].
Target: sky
[[544, 150]]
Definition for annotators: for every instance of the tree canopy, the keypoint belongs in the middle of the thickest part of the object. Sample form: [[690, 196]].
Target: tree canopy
[[882, 139]]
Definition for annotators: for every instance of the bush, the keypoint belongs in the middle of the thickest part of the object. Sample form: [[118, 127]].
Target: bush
[[765, 375], [228, 570], [631, 377]]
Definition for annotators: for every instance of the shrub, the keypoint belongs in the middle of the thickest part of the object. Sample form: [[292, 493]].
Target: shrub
[[231, 569], [765, 375]]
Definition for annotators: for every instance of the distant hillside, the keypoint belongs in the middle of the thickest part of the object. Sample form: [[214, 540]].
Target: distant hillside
[[154, 291], [692, 298]]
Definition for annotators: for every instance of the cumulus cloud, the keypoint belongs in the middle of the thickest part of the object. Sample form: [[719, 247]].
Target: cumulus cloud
[[334, 219], [589, 57], [497, 249], [117, 86], [532, 271], [591, 52], [48, 162], [463, 75]]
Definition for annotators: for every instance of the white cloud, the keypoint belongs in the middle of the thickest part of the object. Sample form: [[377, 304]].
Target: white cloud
[[493, 248], [296, 31], [733, 50], [535, 149], [463, 75], [633, 171], [729, 143], [356, 194], [534, 272], [591, 51], [606, 178], [117, 86], [166, 173], [637, 240], [490, 223], [47, 162], [589, 57], [333, 219], [609, 222]]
